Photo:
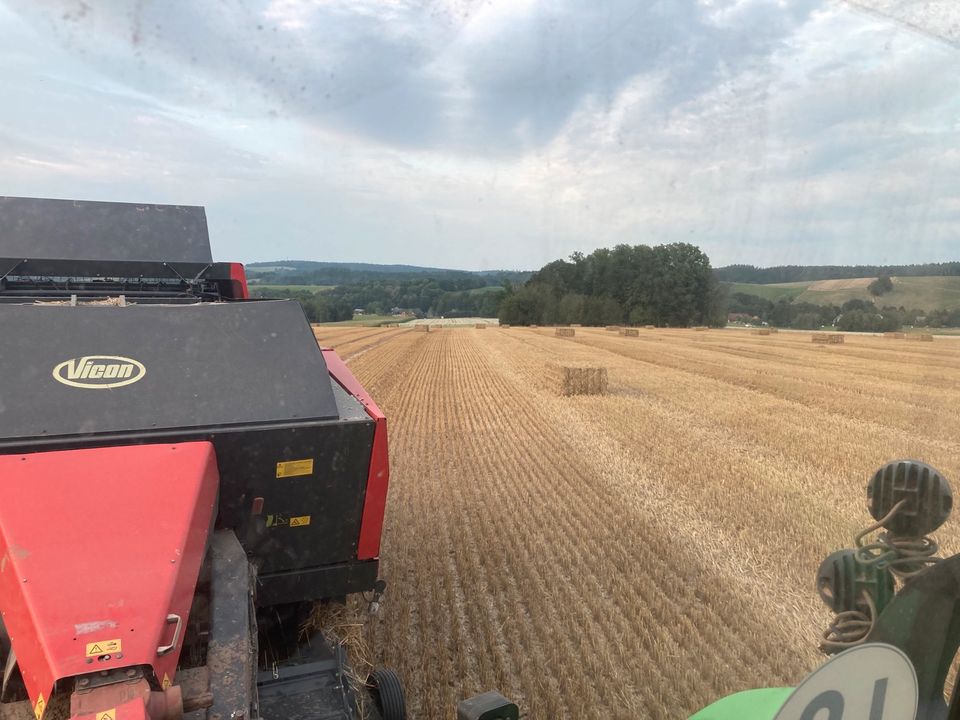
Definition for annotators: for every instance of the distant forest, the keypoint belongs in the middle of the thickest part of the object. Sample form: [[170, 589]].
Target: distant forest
[[664, 285], [801, 273], [301, 272]]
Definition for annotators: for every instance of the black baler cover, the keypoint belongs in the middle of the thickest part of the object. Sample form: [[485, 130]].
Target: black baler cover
[[41, 229], [208, 365]]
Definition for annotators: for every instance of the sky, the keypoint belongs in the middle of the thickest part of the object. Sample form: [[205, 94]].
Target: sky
[[499, 134]]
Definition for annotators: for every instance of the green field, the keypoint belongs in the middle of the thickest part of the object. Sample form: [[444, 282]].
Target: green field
[[367, 321], [769, 292], [924, 293], [265, 289], [485, 289]]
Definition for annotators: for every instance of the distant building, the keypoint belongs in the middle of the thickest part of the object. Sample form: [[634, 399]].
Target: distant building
[[359, 311]]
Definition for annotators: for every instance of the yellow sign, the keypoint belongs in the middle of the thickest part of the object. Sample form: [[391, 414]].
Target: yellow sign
[[110, 714], [295, 468], [166, 682], [104, 647], [286, 521], [39, 707]]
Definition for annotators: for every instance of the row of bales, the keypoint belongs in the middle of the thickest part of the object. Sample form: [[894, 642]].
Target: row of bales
[[918, 337], [567, 331]]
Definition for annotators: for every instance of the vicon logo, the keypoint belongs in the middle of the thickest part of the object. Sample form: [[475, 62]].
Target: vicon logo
[[99, 372]]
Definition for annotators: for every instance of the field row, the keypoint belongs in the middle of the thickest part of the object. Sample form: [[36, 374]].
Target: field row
[[639, 553]]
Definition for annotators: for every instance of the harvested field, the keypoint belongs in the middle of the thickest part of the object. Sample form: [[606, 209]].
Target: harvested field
[[844, 284], [639, 553]]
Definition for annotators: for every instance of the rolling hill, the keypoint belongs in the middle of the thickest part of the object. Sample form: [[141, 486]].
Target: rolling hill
[[925, 293]]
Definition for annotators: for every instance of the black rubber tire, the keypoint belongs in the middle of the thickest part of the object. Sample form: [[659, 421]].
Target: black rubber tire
[[387, 693]]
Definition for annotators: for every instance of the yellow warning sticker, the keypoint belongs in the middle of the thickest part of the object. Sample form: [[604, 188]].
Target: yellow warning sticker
[[166, 682], [279, 520], [103, 647], [295, 468], [110, 714], [39, 707]]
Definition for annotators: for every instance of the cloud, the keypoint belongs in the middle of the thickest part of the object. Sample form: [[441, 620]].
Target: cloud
[[488, 134]]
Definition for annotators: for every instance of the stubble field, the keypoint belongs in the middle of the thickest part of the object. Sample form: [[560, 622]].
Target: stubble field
[[637, 554]]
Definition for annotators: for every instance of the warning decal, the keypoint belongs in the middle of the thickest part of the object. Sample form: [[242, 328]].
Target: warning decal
[[295, 468], [280, 520], [103, 647], [110, 714], [166, 682], [39, 707]]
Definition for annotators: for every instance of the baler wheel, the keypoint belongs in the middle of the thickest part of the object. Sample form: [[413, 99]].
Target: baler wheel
[[387, 693]]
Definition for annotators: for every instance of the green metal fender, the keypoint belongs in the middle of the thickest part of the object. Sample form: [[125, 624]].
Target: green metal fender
[[760, 704]]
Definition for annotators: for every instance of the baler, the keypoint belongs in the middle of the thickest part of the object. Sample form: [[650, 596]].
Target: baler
[[184, 474]]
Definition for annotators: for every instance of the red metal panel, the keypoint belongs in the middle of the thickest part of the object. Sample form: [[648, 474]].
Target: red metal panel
[[134, 709], [378, 478], [98, 548], [238, 275]]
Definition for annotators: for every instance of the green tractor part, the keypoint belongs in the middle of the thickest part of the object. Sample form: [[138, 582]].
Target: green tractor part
[[897, 609]]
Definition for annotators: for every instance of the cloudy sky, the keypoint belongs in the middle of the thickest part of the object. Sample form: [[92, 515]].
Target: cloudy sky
[[487, 134]]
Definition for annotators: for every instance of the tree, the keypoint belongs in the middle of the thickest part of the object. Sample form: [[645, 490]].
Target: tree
[[881, 285], [661, 285]]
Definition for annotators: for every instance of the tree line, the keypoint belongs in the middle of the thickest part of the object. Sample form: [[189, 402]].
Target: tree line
[[853, 316], [451, 296], [300, 272], [663, 285], [807, 273]]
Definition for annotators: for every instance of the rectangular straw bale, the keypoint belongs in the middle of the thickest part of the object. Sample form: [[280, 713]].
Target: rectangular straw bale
[[480, 326], [701, 328], [821, 338], [574, 379], [629, 332], [504, 325], [922, 337], [612, 328], [895, 335], [760, 331], [649, 327], [564, 332], [421, 328]]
